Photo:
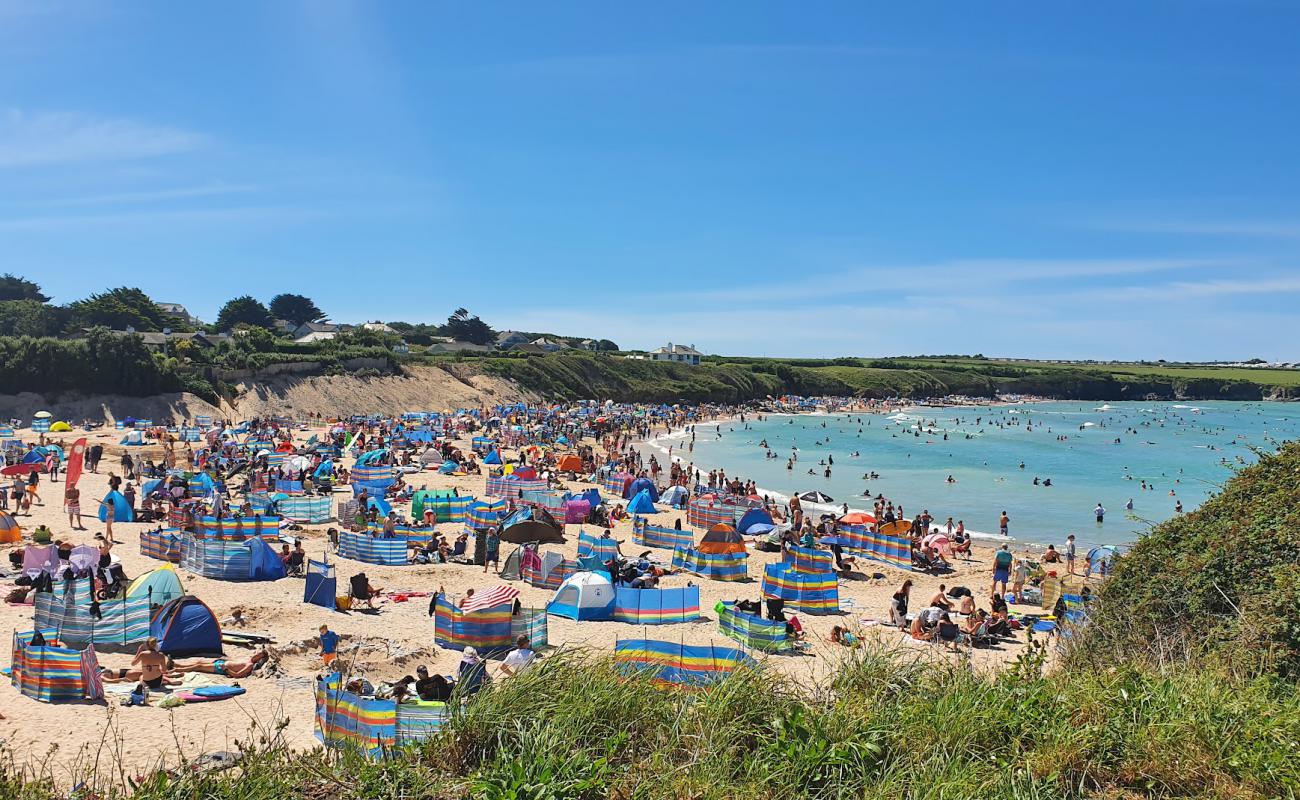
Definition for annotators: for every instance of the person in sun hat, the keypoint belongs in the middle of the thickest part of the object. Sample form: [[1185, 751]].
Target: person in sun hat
[[472, 674]]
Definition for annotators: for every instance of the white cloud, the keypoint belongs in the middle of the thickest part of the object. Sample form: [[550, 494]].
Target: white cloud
[[180, 193], [29, 139]]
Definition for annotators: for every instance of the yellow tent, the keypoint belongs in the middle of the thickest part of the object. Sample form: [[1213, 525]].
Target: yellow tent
[[61, 427]]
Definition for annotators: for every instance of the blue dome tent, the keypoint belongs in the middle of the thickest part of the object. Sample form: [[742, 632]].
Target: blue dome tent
[[187, 627], [641, 504], [755, 516], [493, 457], [641, 485]]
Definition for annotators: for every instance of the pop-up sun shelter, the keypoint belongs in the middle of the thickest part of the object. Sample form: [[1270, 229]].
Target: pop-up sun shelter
[[159, 586], [321, 586], [641, 503], [584, 596], [721, 538], [187, 627]]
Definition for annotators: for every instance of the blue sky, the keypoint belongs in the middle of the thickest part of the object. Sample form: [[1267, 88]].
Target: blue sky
[[1043, 180]]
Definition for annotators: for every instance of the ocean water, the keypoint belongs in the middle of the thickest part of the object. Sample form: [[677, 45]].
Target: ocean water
[[1091, 452]]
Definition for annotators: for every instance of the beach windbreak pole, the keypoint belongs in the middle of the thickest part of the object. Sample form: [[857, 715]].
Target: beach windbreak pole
[[75, 460]]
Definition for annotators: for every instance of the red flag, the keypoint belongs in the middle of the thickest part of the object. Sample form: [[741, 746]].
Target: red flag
[[73, 473]]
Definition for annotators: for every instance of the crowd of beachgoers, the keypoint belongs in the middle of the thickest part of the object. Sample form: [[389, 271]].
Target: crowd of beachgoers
[[361, 557]]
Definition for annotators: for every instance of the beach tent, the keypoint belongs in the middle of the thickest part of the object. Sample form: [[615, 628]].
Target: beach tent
[[1101, 559], [160, 586], [187, 627], [133, 439], [576, 511], [492, 458], [641, 504], [584, 596], [641, 485], [264, 563], [569, 463], [10, 532], [121, 509], [321, 585], [674, 495], [721, 538], [60, 427], [755, 516]]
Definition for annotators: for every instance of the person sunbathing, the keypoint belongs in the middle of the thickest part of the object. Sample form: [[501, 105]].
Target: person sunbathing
[[221, 666]]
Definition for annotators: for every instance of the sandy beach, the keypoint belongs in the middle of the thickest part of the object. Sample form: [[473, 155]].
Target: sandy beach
[[65, 740]]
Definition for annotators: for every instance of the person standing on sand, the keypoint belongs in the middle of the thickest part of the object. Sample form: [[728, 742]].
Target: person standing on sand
[[1069, 553], [72, 503], [329, 645], [1002, 568], [492, 550]]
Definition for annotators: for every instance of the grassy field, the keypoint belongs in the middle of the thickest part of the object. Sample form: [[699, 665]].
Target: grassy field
[[733, 379]]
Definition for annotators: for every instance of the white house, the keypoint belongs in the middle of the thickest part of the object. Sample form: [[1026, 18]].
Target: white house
[[678, 353], [378, 326], [549, 345]]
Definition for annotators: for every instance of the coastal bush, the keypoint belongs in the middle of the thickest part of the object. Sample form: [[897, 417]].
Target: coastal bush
[[1221, 581]]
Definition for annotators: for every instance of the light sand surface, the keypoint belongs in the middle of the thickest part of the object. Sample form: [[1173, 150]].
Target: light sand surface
[[383, 645]]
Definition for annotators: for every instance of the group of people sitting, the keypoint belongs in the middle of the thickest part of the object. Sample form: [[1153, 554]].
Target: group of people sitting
[[938, 622]]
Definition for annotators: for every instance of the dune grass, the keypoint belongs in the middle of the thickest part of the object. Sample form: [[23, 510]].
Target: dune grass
[[884, 724]]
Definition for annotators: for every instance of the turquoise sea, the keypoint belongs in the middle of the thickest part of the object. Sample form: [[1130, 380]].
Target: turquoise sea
[[1091, 452]]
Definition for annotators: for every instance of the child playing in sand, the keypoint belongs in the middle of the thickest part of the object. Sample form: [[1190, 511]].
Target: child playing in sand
[[329, 645]]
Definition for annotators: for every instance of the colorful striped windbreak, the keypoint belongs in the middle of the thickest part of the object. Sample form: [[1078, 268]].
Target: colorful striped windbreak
[[344, 719], [70, 615], [372, 477], [485, 513], [164, 545], [596, 545], [615, 482], [52, 673], [705, 514], [305, 509], [647, 535], [512, 488], [487, 631], [656, 606], [678, 664], [716, 566], [550, 501], [807, 560], [751, 630], [372, 550], [811, 594], [237, 528], [895, 551]]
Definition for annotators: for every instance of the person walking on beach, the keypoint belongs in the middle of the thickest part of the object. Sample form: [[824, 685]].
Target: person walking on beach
[[1069, 553], [329, 645], [1003, 522]]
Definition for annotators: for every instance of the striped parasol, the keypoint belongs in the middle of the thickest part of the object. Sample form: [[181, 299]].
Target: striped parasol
[[491, 598]]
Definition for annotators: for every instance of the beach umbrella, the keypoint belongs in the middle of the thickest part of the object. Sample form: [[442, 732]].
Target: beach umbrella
[[816, 497], [42, 415], [857, 518], [935, 540]]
